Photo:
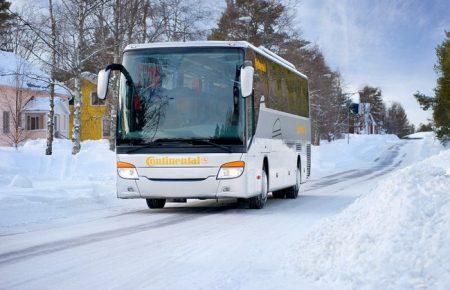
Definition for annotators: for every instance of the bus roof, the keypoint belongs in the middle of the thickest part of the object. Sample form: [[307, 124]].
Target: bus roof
[[243, 44]]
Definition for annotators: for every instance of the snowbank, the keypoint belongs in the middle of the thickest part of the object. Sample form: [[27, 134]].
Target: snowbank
[[94, 162], [420, 135], [395, 237], [359, 152], [35, 187]]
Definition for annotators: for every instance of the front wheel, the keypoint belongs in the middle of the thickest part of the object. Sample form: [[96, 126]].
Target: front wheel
[[259, 201], [156, 202]]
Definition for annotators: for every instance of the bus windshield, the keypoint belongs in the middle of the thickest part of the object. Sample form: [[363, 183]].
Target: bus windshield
[[181, 94]]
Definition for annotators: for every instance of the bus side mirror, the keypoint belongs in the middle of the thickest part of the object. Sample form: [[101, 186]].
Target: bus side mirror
[[247, 80], [102, 83]]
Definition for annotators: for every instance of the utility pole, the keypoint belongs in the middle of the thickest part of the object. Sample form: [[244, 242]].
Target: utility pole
[[348, 126]]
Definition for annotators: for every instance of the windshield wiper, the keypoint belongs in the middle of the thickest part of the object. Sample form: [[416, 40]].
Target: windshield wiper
[[209, 142], [155, 143], [161, 141]]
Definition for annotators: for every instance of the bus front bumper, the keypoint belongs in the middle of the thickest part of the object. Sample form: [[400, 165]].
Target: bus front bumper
[[204, 188]]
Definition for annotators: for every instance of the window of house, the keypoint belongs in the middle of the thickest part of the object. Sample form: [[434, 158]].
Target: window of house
[[6, 128], [106, 128], [96, 101], [35, 122]]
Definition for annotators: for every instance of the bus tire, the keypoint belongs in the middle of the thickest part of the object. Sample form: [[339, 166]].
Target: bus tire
[[156, 202], [292, 192], [259, 201]]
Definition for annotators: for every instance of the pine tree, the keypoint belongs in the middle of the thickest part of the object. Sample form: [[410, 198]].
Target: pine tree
[[260, 22], [425, 127], [5, 15], [373, 96], [440, 102], [6, 22], [397, 122]]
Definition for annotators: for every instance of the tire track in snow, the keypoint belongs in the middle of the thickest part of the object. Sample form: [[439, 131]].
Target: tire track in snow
[[60, 245], [383, 162]]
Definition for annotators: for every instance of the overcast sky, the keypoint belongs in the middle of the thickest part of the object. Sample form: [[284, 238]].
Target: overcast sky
[[385, 43]]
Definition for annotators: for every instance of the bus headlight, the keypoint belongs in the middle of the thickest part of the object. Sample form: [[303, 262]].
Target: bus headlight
[[231, 170], [127, 170]]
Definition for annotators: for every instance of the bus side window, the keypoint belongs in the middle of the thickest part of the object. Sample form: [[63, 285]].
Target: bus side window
[[261, 88]]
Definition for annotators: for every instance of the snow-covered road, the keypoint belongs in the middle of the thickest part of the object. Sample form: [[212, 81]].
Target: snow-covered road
[[198, 245]]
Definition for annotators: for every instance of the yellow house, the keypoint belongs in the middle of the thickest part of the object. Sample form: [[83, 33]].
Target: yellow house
[[95, 120]]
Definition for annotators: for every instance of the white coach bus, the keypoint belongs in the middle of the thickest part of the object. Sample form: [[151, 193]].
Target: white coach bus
[[209, 120]]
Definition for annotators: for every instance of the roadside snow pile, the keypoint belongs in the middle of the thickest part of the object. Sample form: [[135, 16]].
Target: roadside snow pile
[[35, 187], [395, 237], [420, 135], [338, 155], [94, 162]]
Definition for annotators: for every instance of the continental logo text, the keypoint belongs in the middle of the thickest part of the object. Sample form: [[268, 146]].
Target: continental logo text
[[175, 161]]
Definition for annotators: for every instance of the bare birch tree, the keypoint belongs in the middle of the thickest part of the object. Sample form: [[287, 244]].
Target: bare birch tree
[[77, 31], [51, 114], [47, 48], [17, 134], [114, 30], [182, 20], [15, 104]]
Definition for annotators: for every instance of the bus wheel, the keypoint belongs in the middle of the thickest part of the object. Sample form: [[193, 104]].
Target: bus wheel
[[259, 201], [292, 192], [156, 202]]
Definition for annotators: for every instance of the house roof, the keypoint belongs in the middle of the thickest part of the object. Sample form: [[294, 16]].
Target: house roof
[[18, 72], [91, 77], [40, 104]]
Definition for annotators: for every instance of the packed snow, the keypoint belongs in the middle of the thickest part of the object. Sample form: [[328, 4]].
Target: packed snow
[[349, 153]]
